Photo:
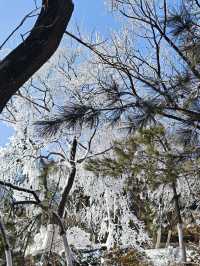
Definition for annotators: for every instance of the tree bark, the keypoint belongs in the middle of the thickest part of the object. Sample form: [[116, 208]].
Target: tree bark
[[8, 257], [18, 66], [70, 180], [179, 224], [181, 242], [50, 237], [158, 237], [52, 234], [61, 207], [168, 238], [68, 253], [8, 253]]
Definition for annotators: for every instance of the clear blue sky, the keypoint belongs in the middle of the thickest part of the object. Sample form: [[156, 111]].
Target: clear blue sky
[[90, 15]]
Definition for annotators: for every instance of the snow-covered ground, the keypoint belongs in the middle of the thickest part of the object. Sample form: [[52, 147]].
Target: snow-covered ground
[[165, 256]]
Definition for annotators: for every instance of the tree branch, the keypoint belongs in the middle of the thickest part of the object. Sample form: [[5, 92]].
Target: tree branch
[[18, 66], [7, 184]]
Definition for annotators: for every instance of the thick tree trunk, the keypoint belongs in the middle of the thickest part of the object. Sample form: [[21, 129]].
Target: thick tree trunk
[[179, 224], [18, 66]]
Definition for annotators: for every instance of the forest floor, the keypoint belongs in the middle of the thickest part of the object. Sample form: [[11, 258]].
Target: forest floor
[[129, 257]]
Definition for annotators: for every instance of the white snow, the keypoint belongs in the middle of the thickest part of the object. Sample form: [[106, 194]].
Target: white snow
[[165, 256]]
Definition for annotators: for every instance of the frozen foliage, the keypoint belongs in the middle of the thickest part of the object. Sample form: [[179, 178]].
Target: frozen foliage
[[108, 214], [78, 238], [48, 239], [106, 218], [98, 211], [98, 99]]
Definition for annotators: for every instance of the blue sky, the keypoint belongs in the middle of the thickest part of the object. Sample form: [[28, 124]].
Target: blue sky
[[90, 15]]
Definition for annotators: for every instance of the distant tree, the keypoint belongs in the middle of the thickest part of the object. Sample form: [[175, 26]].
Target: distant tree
[[119, 164]]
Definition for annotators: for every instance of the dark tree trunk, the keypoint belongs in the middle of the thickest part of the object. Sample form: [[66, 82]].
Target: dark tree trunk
[[18, 66], [70, 180]]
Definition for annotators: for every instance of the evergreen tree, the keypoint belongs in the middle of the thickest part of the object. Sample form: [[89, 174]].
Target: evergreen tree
[[150, 161]]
